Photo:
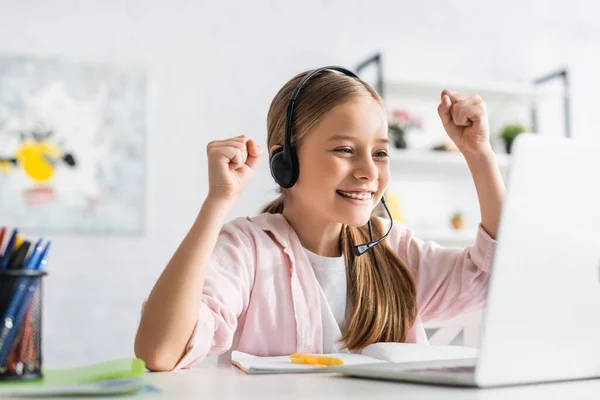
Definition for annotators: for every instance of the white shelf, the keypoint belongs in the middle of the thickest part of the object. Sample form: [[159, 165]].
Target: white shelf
[[461, 238], [431, 158], [395, 87]]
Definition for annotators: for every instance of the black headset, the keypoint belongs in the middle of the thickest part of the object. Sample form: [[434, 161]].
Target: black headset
[[284, 163]]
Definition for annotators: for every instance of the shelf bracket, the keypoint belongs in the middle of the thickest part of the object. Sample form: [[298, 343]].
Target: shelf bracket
[[562, 74], [375, 59]]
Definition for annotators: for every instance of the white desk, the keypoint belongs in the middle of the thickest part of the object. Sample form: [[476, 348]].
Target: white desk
[[225, 382]]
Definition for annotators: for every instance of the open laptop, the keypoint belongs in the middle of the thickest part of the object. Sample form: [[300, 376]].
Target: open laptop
[[542, 317]]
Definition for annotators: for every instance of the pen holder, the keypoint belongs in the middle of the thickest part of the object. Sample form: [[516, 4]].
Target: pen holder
[[21, 324]]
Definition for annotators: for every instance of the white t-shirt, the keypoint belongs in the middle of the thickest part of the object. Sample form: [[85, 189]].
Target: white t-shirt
[[331, 274]]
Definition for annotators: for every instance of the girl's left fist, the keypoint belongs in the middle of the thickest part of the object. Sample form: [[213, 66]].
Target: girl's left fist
[[465, 120]]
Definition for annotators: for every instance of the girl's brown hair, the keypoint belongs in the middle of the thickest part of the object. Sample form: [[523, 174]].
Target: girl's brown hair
[[383, 294]]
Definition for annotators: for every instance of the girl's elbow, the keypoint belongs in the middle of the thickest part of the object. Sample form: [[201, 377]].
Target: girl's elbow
[[155, 359]]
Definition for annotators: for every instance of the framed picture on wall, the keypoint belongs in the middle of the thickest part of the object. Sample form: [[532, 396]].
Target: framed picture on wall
[[72, 145]]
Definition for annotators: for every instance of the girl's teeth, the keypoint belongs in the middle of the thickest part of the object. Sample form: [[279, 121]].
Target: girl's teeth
[[361, 196]]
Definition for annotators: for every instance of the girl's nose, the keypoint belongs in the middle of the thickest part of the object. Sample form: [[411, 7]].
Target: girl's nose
[[366, 169]]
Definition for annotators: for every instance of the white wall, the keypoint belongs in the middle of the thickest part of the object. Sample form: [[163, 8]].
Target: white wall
[[214, 67]]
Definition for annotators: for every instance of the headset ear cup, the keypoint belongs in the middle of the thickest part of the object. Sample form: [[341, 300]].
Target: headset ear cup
[[284, 168], [279, 167], [295, 167], [284, 163]]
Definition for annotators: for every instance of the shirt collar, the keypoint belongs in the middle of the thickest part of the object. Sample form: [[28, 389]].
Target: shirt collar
[[276, 224]]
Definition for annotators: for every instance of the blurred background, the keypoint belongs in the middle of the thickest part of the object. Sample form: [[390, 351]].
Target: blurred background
[[134, 90]]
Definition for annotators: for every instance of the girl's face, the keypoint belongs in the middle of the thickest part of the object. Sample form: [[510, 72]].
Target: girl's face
[[344, 166]]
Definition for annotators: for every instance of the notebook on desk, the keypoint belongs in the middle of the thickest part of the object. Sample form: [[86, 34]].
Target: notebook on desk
[[120, 376], [409, 354]]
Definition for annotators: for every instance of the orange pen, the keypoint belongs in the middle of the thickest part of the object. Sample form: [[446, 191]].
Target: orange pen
[[313, 359], [2, 233], [18, 242]]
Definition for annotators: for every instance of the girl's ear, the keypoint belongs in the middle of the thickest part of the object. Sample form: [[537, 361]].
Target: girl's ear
[[273, 148]]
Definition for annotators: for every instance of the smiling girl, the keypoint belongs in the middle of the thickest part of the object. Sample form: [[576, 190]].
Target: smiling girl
[[288, 280]]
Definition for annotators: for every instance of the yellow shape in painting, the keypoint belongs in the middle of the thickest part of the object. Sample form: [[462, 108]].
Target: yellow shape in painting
[[36, 159], [5, 167]]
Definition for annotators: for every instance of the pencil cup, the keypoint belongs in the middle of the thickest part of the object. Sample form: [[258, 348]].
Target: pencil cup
[[21, 324]]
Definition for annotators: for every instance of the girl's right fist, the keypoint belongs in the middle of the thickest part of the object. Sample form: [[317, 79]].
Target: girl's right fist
[[231, 163]]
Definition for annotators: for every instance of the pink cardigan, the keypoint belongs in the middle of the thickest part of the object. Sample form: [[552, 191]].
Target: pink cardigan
[[261, 295]]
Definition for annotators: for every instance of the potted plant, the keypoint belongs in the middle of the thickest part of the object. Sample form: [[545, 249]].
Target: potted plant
[[400, 122], [509, 134], [457, 220]]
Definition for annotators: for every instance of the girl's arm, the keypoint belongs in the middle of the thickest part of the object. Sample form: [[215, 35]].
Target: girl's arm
[[453, 280], [490, 188], [464, 117], [172, 309]]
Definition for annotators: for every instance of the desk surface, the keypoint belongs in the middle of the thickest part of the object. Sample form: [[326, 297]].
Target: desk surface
[[225, 382]]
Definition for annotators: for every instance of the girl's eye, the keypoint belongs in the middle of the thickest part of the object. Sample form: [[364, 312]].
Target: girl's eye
[[346, 150]]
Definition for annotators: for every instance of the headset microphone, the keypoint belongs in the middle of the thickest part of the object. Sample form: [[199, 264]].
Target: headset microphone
[[363, 248]]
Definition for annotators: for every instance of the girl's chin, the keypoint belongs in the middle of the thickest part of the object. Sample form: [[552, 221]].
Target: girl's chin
[[355, 221]]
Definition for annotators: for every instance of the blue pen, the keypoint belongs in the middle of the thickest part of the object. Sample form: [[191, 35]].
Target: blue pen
[[42, 259], [29, 264], [20, 301], [8, 251], [36, 255]]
